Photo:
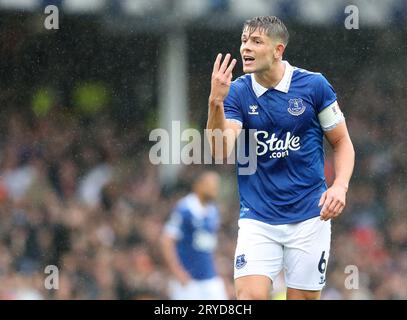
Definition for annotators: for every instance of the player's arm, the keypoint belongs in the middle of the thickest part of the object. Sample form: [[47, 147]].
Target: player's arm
[[168, 248], [334, 199], [222, 133], [171, 234]]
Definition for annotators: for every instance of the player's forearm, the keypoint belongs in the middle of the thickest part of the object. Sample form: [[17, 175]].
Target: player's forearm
[[344, 160], [216, 115], [216, 122], [175, 267], [171, 257]]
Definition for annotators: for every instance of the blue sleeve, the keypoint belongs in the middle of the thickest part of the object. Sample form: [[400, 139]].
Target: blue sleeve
[[325, 94], [173, 226], [231, 104]]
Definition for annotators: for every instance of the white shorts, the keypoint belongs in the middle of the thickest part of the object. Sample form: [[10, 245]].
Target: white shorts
[[211, 289], [300, 249]]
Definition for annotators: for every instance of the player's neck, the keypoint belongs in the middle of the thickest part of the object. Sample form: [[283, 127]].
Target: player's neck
[[271, 77]]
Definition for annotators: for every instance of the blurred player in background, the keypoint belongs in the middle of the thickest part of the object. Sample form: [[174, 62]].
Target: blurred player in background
[[281, 225], [189, 240]]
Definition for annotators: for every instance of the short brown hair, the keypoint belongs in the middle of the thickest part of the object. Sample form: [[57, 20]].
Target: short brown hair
[[271, 25]]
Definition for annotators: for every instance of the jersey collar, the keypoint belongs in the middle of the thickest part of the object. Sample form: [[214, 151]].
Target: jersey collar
[[282, 86], [198, 208]]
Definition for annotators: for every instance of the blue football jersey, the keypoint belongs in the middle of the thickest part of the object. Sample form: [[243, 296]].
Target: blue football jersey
[[289, 179], [195, 227]]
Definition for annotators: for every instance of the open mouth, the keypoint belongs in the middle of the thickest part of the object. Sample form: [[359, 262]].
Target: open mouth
[[248, 59]]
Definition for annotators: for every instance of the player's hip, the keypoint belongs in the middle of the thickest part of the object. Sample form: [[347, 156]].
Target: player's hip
[[300, 249], [267, 211], [285, 234]]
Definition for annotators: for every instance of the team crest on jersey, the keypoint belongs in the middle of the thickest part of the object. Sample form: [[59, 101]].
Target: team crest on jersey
[[253, 109], [296, 107], [240, 261]]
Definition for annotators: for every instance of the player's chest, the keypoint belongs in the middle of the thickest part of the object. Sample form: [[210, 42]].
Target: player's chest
[[294, 112], [207, 223]]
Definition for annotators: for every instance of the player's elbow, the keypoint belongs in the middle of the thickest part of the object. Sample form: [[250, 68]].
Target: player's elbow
[[350, 148], [165, 247], [344, 143], [165, 242]]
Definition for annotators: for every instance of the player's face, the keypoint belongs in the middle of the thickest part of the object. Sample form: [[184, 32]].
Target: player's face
[[257, 51], [209, 186]]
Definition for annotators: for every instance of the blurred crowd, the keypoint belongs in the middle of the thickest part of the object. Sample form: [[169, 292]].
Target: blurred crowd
[[80, 193], [83, 196], [70, 199], [372, 232], [310, 11]]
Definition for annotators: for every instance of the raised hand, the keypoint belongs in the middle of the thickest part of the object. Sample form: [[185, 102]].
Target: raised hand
[[221, 77]]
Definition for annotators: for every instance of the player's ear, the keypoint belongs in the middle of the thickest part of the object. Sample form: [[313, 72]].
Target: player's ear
[[279, 50]]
